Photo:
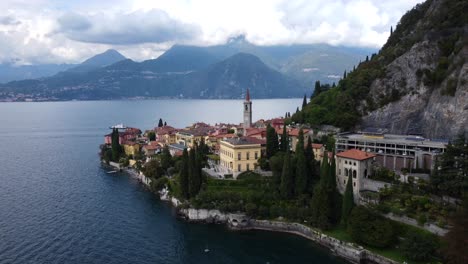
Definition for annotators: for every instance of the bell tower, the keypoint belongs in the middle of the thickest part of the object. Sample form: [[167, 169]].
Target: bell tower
[[247, 112]]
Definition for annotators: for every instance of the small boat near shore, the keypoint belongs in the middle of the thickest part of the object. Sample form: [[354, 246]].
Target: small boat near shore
[[110, 172]]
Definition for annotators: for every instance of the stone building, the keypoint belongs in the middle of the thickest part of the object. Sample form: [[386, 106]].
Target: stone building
[[356, 163], [394, 152], [239, 154]]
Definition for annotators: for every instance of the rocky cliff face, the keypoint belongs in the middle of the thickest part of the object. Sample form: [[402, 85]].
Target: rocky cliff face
[[428, 84], [422, 108]]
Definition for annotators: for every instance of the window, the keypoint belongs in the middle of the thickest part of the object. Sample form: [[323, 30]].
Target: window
[[345, 162], [239, 167], [256, 155], [346, 172], [354, 174], [365, 173], [248, 156], [354, 184], [239, 156], [354, 164], [339, 172], [248, 166]]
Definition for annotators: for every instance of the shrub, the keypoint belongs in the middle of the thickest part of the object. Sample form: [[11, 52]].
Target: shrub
[[251, 209], [370, 229], [419, 246]]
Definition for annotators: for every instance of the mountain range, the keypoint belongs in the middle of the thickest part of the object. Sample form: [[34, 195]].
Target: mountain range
[[221, 71]]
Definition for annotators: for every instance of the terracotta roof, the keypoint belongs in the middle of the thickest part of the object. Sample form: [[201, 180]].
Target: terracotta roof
[[355, 154], [317, 146], [295, 132], [255, 131], [151, 147]]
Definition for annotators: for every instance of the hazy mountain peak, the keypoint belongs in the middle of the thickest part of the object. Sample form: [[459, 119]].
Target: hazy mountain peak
[[108, 57]]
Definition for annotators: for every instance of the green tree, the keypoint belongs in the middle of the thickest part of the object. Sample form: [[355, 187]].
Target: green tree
[[312, 171], [272, 142], [194, 173], [166, 158], [276, 165], [115, 145], [153, 169], [284, 140], [301, 166], [450, 176], [287, 178], [456, 246], [184, 175], [160, 123], [370, 229], [348, 201], [419, 246], [320, 209], [151, 136], [304, 102]]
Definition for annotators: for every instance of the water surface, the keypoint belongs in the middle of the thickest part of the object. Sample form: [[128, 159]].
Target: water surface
[[57, 204]]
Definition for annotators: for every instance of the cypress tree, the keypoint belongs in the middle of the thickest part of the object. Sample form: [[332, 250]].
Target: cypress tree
[[165, 124], [184, 175], [287, 180], [331, 179], [284, 140], [304, 102], [166, 158], [344, 75], [194, 174], [301, 166], [115, 145], [391, 30], [322, 208], [272, 142], [311, 165], [348, 201], [160, 123], [324, 168], [367, 58]]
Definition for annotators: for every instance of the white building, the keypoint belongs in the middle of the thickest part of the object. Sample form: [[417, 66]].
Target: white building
[[356, 163]]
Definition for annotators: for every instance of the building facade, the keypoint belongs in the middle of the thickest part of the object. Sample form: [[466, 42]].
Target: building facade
[[356, 163], [394, 152], [239, 154]]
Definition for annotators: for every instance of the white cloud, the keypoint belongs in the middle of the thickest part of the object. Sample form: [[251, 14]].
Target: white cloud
[[44, 31]]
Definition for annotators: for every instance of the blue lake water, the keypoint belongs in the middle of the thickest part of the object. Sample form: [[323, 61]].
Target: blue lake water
[[57, 204]]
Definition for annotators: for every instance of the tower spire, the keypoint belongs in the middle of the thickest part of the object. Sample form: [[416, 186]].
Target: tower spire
[[247, 96]]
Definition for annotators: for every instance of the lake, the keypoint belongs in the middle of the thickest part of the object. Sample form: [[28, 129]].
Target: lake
[[57, 204]]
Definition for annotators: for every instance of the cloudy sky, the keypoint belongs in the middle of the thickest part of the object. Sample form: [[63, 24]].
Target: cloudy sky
[[69, 31]]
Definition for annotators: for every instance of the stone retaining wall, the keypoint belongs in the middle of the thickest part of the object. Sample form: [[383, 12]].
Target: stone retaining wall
[[348, 251]]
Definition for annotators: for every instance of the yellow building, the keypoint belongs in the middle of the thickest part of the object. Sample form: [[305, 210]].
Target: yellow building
[[189, 138], [239, 154], [131, 148]]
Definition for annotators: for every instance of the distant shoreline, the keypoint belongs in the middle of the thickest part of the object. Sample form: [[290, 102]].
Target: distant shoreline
[[145, 99]]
